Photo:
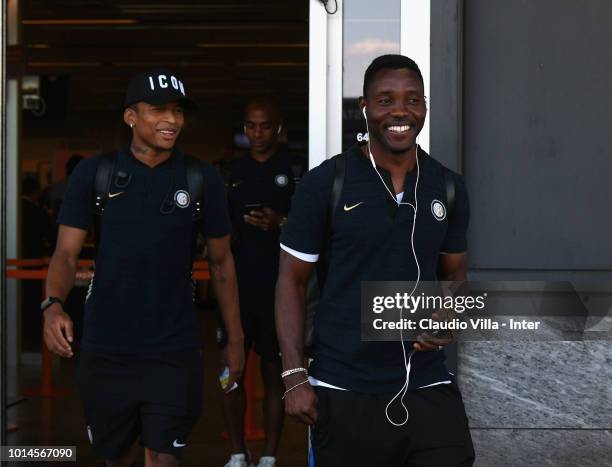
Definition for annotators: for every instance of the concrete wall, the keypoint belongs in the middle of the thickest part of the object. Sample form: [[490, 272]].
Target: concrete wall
[[528, 96]]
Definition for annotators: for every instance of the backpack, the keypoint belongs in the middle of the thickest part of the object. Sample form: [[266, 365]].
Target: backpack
[[317, 279], [104, 177]]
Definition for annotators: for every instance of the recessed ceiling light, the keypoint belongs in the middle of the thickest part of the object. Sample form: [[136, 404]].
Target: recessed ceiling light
[[77, 22]]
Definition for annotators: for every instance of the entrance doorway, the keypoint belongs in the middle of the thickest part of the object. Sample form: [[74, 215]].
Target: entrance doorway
[[72, 61]]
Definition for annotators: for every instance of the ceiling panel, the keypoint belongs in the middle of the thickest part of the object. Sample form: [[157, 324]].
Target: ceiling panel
[[223, 50]]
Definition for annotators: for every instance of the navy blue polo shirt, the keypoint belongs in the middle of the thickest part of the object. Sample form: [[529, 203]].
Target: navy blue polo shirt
[[271, 184], [141, 297], [371, 242]]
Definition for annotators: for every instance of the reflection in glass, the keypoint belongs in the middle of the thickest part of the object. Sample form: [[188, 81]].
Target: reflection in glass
[[370, 29]]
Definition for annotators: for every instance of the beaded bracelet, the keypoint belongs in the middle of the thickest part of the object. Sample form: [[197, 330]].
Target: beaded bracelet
[[284, 374]]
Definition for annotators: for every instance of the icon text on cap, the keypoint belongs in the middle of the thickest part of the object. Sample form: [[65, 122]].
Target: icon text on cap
[[162, 81]]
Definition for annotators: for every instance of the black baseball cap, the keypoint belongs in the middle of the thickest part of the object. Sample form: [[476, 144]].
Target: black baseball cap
[[157, 87]]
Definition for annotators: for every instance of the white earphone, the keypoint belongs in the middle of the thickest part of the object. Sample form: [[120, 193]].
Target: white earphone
[[380, 176], [407, 361]]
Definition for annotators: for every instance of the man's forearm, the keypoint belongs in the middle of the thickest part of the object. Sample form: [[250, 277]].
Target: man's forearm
[[223, 277], [60, 279], [290, 312]]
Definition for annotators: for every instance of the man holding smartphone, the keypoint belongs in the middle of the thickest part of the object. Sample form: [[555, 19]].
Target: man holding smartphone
[[260, 187], [368, 403]]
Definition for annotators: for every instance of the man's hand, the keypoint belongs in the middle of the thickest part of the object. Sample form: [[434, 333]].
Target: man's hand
[[451, 267], [223, 275], [301, 402], [58, 331], [233, 356], [264, 220], [437, 339]]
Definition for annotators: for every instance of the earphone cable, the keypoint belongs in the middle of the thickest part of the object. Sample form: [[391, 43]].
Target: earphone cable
[[407, 358], [407, 364]]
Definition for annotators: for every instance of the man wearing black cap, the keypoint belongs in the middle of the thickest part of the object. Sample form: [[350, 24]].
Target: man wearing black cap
[[140, 371]]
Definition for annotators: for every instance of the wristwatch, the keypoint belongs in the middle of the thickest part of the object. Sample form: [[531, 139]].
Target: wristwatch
[[47, 302]]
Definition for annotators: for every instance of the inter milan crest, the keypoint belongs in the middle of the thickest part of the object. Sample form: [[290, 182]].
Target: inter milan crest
[[281, 180], [438, 210], [181, 198]]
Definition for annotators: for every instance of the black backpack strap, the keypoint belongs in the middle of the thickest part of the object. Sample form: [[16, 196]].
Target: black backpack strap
[[334, 200], [102, 183], [449, 182], [296, 171], [195, 185], [336, 191], [298, 168]]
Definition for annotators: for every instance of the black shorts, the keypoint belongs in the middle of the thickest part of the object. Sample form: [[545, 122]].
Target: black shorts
[[352, 429], [154, 398], [258, 325]]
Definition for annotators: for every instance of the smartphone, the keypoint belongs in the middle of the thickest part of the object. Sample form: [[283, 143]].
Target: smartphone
[[246, 210], [442, 334], [223, 379]]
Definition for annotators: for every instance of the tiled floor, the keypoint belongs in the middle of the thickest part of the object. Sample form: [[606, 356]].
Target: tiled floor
[[59, 420]]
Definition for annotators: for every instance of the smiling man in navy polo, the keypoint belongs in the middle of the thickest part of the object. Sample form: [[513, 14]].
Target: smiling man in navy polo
[[391, 224], [140, 370]]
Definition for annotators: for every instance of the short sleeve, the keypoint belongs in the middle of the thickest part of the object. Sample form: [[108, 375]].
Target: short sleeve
[[215, 220], [77, 206], [456, 235], [306, 223]]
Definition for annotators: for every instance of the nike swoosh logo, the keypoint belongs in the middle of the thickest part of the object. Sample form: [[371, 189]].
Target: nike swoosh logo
[[347, 208], [176, 444], [112, 195]]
